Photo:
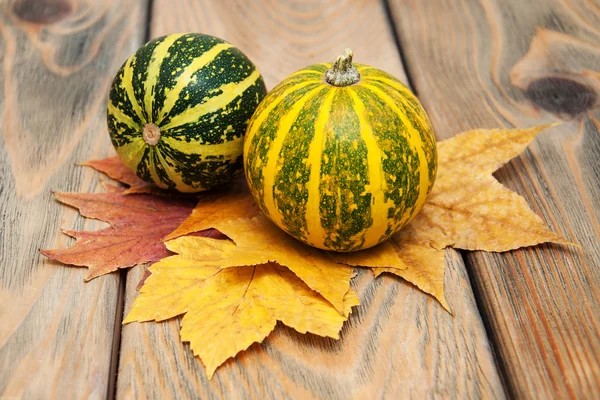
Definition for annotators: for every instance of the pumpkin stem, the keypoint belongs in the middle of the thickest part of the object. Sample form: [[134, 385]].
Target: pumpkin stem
[[151, 134], [342, 73]]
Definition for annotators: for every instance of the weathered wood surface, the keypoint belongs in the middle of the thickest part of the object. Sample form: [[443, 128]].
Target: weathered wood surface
[[56, 58], [399, 343], [487, 63], [497, 63]]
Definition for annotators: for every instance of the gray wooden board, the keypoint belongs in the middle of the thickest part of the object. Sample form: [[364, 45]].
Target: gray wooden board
[[492, 64], [56, 58]]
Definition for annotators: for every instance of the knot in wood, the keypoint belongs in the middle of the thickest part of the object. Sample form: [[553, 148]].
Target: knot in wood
[[561, 95], [42, 11]]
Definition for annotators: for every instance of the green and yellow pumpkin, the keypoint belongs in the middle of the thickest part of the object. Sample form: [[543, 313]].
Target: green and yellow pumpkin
[[340, 156], [178, 110]]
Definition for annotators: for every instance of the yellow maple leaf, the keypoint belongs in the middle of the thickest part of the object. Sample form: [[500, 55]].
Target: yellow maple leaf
[[467, 209], [259, 241], [416, 261], [228, 309], [232, 202]]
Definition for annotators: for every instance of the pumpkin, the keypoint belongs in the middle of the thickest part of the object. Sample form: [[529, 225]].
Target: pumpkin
[[340, 156], [178, 109]]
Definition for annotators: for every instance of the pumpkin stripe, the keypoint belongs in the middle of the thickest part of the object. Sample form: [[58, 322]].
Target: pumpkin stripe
[[309, 73], [229, 150], [291, 181], [384, 84], [132, 153], [174, 177], [213, 128], [377, 182], [345, 205], [122, 117], [230, 91], [153, 71], [127, 85], [263, 113], [274, 153], [315, 233], [418, 116], [383, 81], [154, 166], [365, 68], [183, 80], [416, 142]]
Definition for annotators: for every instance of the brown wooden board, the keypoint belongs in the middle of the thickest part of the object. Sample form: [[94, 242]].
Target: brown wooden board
[[400, 342], [497, 63], [57, 59]]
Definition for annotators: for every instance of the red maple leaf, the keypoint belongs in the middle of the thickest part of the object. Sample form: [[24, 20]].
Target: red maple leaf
[[138, 225]]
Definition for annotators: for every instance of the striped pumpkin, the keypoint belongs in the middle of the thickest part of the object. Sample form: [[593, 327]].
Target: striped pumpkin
[[178, 110], [341, 157]]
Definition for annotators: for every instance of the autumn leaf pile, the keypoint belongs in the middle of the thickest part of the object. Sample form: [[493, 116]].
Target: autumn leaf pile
[[232, 274]]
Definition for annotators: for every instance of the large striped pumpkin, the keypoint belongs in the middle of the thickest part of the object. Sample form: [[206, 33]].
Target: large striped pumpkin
[[179, 108], [341, 157]]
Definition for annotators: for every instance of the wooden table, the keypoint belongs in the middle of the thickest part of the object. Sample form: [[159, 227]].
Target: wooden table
[[526, 323]]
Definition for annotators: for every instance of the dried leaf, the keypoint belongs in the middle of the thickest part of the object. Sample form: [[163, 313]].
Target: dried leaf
[[230, 202], [138, 225], [417, 263], [423, 265], [259, 241], [228, 309], [468, 208]]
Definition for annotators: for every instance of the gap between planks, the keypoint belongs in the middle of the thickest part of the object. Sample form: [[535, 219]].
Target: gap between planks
[[396, 36], [118, 326], [468, 265]]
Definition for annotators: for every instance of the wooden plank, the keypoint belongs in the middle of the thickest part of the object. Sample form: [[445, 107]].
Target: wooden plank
[[399, 342], [472, 66], [56, 59]]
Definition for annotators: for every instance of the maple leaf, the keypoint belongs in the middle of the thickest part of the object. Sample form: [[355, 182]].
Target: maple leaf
[[259, 241], [138, 225], [227, 203], [467, 209], [416, 262], [228, 309]]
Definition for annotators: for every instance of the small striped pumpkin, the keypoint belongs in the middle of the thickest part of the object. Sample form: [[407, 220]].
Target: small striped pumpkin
[[340, 156], [178, 110]]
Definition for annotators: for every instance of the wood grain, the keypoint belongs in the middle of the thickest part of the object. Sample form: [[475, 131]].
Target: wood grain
[[281, 37], [399, 343], [493, 63], [56, 56]]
